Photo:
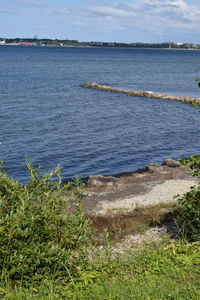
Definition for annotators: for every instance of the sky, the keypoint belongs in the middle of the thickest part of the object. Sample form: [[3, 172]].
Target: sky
[[127, 21]]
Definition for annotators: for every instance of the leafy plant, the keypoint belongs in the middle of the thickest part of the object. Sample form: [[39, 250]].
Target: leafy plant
[[188, 214], [40, 236], [198, 80], [194, 163]]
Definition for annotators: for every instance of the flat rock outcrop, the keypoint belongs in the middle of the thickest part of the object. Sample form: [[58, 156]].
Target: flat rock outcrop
[[150, 186], [100, 180], [171, 163]]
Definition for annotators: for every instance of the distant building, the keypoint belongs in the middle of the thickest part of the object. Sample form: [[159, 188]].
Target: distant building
[[25, 44]]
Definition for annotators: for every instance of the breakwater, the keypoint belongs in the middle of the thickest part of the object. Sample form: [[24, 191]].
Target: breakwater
[[145, 94]]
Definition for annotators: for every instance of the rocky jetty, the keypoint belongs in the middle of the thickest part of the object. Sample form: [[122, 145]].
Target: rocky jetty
[[145, 94]]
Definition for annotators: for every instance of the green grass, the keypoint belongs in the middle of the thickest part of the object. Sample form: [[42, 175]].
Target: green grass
[[150, 287], [159, 272], [171, 272]]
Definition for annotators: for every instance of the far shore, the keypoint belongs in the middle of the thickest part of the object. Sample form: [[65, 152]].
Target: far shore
[[102, 47]]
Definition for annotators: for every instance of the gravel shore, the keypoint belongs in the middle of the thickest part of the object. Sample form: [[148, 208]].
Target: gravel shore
[[161, 193], [153, 185]]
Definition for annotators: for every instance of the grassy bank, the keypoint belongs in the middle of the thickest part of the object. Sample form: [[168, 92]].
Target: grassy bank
[[49, 249], [158, 272]]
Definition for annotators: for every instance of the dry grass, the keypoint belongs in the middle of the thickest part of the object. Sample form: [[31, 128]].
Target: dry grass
[[126, 223]]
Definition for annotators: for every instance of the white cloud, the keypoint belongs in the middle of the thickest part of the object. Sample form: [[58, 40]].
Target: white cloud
[[33, 3], [173, 9], [153, 15], [139, 20], [110, 11], [62, 11], [6, 10]]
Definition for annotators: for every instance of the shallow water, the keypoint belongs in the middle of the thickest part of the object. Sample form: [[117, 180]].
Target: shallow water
[[46, 116]]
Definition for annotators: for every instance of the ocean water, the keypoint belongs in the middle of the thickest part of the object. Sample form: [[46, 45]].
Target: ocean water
[[47, 117]]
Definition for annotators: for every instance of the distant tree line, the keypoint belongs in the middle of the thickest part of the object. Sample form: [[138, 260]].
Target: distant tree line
[[67, 42]]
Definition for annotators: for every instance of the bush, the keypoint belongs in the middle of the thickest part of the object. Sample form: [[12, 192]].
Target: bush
[[188, 214], [40, 238]]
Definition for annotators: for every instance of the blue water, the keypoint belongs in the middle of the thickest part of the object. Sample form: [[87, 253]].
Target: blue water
[[46, 116]]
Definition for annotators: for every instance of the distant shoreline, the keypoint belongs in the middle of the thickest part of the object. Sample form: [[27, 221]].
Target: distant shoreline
[[99, 47], [75, 43]]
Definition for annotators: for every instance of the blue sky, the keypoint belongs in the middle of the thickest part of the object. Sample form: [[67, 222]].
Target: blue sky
[[102, 20]]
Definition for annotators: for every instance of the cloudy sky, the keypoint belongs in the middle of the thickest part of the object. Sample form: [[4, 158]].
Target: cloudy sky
[[102, 20]]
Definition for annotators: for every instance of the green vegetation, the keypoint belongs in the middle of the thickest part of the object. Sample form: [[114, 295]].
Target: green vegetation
[[157, 272], [48, 249], [198, 80], [40, 239], [188, 216], [165, 272]]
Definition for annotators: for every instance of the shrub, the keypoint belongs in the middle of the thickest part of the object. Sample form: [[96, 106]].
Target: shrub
[[40, 238], [188, 214]]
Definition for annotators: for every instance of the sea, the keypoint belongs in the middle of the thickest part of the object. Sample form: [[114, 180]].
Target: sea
[[49, 119]]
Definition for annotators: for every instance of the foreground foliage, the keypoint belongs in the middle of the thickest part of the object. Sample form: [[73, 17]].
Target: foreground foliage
[[157, 272], [39, 237], [46, 248], [188, 214]]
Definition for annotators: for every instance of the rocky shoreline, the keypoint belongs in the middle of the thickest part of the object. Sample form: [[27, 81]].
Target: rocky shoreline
[[150, 186], [145, 94]]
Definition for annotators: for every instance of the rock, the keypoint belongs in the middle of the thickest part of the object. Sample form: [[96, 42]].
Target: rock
[[94, 84], [171, 163], [152, 168], [100, 180]]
